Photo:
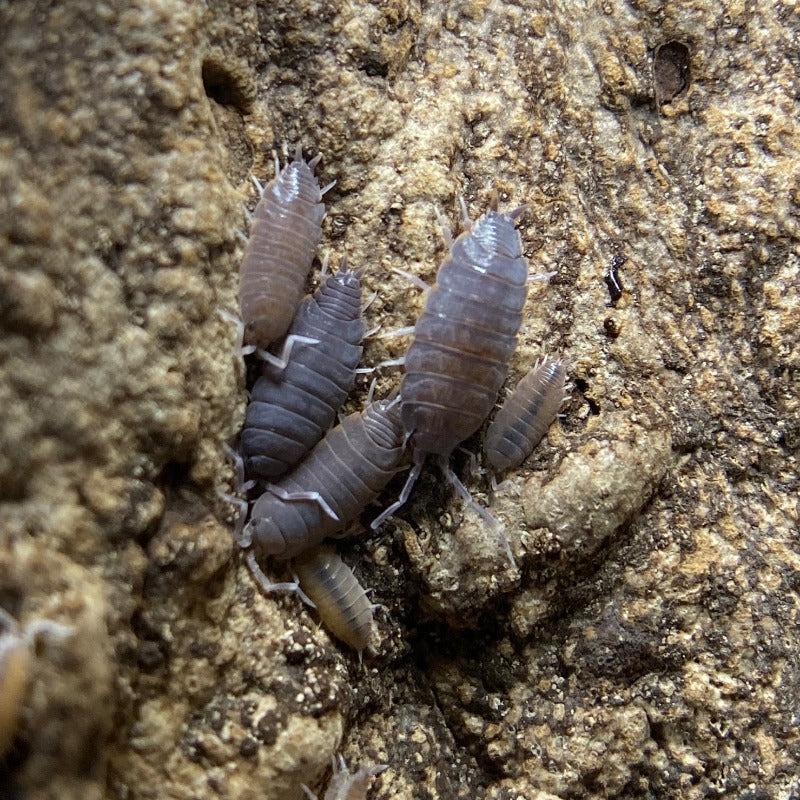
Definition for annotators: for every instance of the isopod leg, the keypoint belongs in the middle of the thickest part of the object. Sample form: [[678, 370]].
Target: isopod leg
[[241, 535], [364, 306], [240, 349], [298, 155], [260, 186], [303, 596], [540, 277], [465, 211], [475, 469], [281, 362], [238, 465], [445, 226], [484, 513], [263, 581], [415, 279], [296, 497], [371, 391], [497, 486], [404, 495], [46, 627], [393, 334]]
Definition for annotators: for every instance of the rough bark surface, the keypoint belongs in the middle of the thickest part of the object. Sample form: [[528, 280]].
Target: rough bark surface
[[646, 647]]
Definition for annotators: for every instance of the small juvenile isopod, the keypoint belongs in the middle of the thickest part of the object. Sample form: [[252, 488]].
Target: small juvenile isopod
[[290, 409], [525, 416], [345, 785], [341, 602], [320, 497], [462, 344], [285, 233]]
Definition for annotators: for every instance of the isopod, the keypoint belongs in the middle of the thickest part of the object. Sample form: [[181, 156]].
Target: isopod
[[345, 785], [341, 602], [345, 471], [525, 416], [465, 336], [284, 236], [290, 409], [463, 341]]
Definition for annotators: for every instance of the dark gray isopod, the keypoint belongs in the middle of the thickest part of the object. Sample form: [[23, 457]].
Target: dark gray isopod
[[344, 472], [342, 603], [290, 409], [285, 233], [526, 415]]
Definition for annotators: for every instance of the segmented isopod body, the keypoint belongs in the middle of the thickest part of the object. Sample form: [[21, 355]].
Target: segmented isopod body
[[341, 602], [290, 409], [285, 233], [526, 415], [465, 336], [346, 471]]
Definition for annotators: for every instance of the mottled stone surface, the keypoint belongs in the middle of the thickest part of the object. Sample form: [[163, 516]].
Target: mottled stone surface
[[644, 646]]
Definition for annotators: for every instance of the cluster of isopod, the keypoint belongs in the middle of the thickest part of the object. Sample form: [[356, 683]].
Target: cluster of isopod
[[317, 479]]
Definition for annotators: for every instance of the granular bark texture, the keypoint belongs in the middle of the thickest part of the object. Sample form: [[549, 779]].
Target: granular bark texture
[[644, 644]]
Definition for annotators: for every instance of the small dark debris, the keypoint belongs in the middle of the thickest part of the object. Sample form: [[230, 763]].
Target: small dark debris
[[248, 747], [268, 728], [611, 327], [611, 278], [671, 73]]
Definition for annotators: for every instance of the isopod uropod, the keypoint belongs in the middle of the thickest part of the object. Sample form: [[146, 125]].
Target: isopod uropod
[[341, 601], [344, 472], [285, 233], [290, 410], [525, 416]]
